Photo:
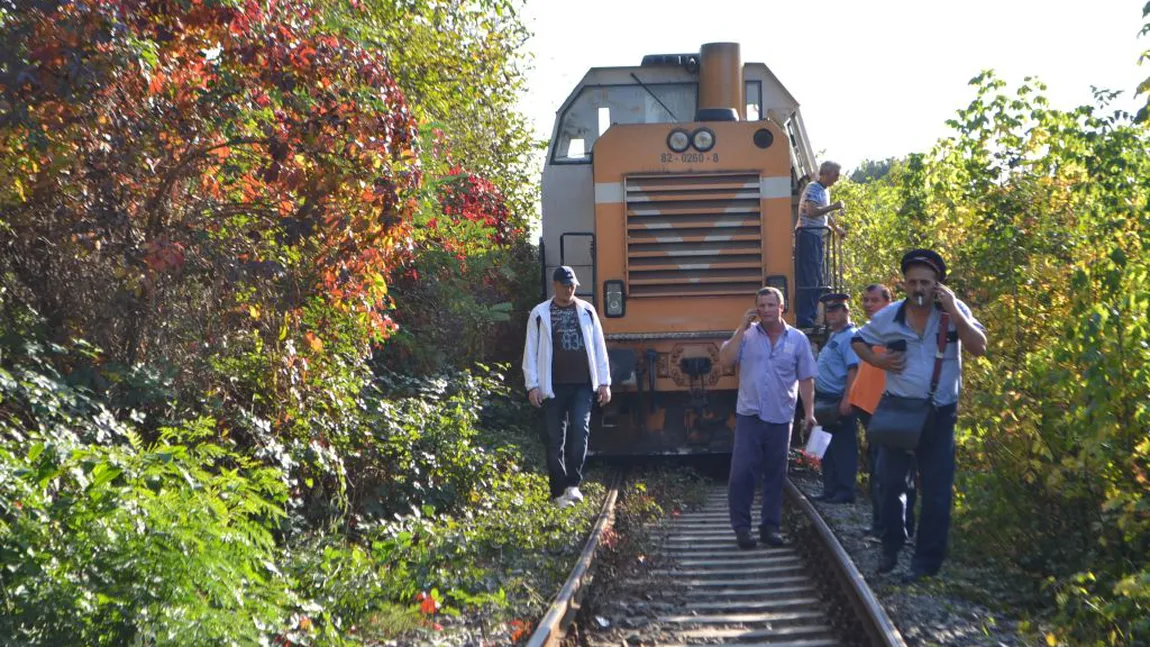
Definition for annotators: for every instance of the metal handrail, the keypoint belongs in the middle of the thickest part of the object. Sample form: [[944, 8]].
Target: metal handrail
[[832, 261], [593, 266], [542, 270]]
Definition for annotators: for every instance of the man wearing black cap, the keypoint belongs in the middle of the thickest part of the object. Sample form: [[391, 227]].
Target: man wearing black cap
[[564, 365], [909, 330], [837, 368]]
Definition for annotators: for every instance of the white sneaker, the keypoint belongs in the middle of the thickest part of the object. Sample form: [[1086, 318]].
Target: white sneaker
[[573, 494], [562, 501]]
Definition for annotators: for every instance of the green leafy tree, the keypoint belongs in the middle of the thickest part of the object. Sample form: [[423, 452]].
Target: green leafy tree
[[871, 170], [1042, 214], [463, 293], [462, 66], [226, 192], [1144, 87]]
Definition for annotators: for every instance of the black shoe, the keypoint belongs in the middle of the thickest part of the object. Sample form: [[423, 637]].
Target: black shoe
[[771, 537], [887, 563], [745, 540]]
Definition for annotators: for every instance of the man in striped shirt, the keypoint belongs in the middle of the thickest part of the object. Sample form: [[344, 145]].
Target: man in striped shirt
[[814, 209]]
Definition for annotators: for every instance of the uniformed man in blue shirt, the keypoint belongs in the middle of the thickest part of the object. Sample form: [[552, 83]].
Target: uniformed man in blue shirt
[[775, 364], [837, 369], [909, 330]]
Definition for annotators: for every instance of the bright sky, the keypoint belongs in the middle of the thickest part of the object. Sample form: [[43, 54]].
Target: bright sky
[[874, 78]]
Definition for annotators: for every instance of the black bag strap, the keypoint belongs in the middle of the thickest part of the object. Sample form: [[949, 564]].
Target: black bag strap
[[943, 325]]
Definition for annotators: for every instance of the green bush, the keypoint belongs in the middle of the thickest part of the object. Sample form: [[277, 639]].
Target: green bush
[[106, 538], [1042, 215], [135, 543], [418, 445]]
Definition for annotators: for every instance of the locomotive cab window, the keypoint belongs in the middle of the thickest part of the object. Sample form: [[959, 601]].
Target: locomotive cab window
[[754, 94], [597, 107]]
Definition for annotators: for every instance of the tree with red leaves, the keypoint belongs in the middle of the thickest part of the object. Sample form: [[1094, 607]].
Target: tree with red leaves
[[200, 183]]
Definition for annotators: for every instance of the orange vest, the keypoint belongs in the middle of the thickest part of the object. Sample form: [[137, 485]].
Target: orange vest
[[869, 384]]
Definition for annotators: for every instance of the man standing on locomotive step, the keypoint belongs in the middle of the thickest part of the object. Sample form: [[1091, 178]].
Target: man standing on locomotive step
[[837, 367], [909, 330], [864, 397], [814, 207], [775, 364], [564, 364]]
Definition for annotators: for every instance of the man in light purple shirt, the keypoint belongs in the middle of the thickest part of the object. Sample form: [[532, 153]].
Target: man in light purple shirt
[[775, 364]]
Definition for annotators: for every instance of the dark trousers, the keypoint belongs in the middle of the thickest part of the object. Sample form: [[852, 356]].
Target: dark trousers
[[568, 423], [809, 275], [935, 458], [874, 488], [760, 451], [841, 460]]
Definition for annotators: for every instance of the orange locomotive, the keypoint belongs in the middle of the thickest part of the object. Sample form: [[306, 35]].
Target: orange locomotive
[[672, 189]]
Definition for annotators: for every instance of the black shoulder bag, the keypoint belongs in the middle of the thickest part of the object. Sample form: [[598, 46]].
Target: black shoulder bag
[[897, 422]]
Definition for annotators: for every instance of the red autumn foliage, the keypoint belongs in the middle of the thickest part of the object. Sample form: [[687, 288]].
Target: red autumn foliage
[[169, 167], [466, 269], [519, 630], [471, 198], [428, 605]]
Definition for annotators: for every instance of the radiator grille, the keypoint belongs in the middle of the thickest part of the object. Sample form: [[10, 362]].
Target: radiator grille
[[693, 235]]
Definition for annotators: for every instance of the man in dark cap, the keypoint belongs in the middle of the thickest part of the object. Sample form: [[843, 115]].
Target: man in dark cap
[[564, 365], [909, 330], [837, 368]]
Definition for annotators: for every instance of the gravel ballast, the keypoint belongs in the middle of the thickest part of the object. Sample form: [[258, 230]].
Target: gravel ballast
[[931, 612]]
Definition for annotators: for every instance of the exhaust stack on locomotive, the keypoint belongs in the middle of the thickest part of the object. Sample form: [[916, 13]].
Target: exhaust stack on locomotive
[[720, 80]]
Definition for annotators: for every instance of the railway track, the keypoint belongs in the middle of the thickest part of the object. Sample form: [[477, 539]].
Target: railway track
[[707, 591]]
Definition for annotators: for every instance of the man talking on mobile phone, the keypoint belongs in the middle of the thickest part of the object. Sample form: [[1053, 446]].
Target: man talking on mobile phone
[[912, 332], [775, 363]]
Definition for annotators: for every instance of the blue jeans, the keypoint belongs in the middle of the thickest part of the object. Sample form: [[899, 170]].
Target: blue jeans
[[568, 422], [841, 460], [760, 451], [935, 458], [808, 275]]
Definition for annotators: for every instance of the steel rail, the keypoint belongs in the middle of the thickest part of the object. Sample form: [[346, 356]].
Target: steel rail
[[550, 630], [879, 628]]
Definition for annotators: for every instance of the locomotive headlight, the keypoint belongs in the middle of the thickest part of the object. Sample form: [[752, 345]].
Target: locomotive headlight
[[614, 301], [703, 139], [678, 140]]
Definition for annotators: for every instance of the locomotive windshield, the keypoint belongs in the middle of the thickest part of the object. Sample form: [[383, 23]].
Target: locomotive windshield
[[598, 106]]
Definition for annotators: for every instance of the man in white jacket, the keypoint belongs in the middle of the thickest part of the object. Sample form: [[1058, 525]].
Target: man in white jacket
[[564, 365]]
